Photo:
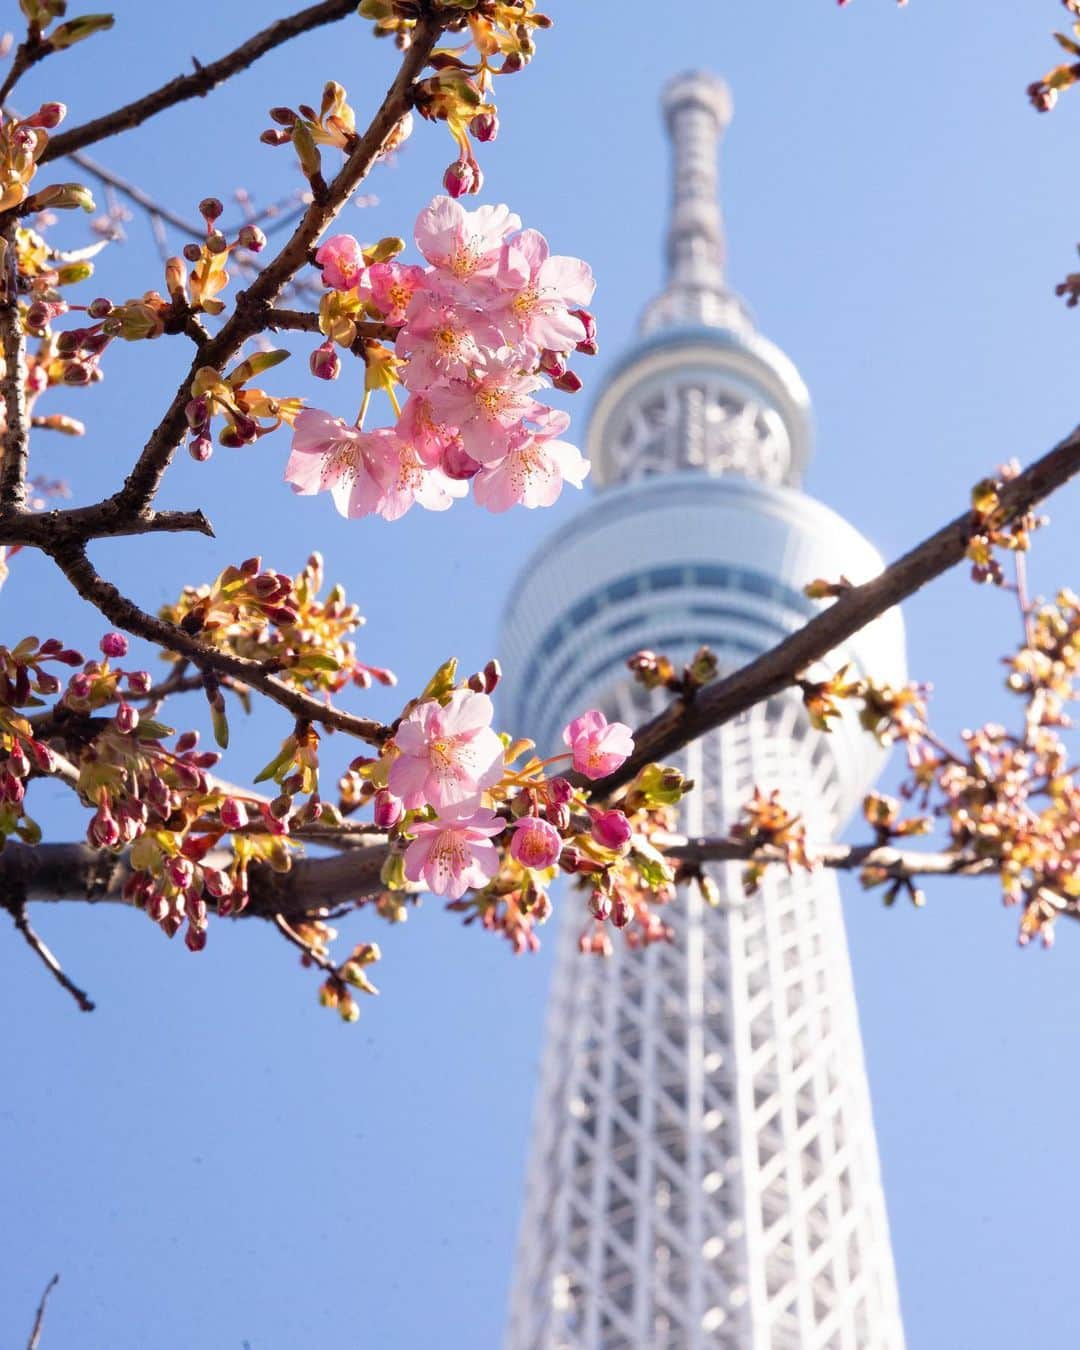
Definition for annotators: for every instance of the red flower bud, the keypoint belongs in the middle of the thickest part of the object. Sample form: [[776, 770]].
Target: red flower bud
[[233, 813], [599, 905], [461, 178], [114, 645], [611, 829], [568, 382], [127, 718], [251, 238], [210, 208], [621, 912], [388, 809], [485, 125], [559, 790], [324, 362]]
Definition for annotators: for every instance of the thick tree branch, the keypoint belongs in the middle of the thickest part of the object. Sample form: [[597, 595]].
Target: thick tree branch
[[15, 444], [777, 668], [52, 529], [124, 613], [201, 81]]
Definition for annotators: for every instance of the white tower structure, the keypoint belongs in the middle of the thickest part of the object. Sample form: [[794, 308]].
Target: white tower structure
[[703, 1171]]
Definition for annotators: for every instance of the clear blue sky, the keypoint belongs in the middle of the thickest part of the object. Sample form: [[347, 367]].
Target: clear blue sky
[[210, 1159]]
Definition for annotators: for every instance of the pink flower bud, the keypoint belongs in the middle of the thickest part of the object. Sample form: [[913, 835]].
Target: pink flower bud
[[621, 911], [588, 322], [218, 883], [200, 449], [485, 126], [388, 809], [251, 238], [210, 208], [559, 815], [179, 871], [103, 830], [460, 178], [114, 645], [456, 463], [611, 829], [342, 261], [192, 252], [324, 362], [127, 718], [195, 938], [139, 681], [559, 790], [535, 843], [599, 905], [99, 308], [568, 383], [553, 363], [157, 906]]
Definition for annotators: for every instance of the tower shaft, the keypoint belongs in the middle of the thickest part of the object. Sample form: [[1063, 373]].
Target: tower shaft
[[704, 1171]]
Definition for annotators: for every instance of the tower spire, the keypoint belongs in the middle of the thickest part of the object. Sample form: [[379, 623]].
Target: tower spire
[[697, 109]]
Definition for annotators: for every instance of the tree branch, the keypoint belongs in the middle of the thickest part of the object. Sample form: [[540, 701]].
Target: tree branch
[[201, 81], [124, 613], [301, 321], [39, 1320], [249, 316], [895, 862], [16, 907], [104, 520], [777, 668], [15, 445]]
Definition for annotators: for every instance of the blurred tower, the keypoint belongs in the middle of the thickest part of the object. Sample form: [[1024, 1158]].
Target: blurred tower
[[703, 1171]]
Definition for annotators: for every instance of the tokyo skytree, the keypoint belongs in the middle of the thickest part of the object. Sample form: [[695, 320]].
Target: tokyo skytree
[[703, 1170]]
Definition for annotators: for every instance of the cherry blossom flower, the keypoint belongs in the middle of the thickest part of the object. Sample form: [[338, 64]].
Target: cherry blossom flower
[[535, 843], [486, 407], [448, 755], [453, 853], [342, 261], [542, 290], [419, 425], [390, 287], [443, 340], [329, 455], [534, 468], [599, 747], [463, 244], [366, 472]]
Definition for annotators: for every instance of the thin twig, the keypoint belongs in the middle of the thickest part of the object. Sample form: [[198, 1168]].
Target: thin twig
[[17, 909], [39, 1320], [201, 81], [290, 935], [29, 52]]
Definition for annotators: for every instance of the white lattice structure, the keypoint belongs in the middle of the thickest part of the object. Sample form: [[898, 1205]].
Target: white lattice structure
[[703, 1171]]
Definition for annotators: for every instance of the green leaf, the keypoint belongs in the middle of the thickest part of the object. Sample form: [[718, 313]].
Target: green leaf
[[441, 684]]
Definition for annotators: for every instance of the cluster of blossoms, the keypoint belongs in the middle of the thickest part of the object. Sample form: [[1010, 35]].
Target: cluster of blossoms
[[478, 332]]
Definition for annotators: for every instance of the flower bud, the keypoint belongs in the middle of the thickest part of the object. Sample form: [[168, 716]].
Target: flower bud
[[127, 718], [324, 362], [599, 905], [251, 238], [611, 829], [192, 252], [457, 463], [553, 363], [210, 208], [114, 645], [388, 809], [195, 938], [233, 813], [621, 911], [49, 115], [568, 382], [559, 815], [461, 178], [559, 790], [200, 449], [485, 125]]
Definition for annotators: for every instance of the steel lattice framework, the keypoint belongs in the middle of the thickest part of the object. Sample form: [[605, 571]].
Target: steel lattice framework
[[703, 1171]]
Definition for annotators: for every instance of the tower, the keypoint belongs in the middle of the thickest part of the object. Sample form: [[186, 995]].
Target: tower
[[703, 1170]]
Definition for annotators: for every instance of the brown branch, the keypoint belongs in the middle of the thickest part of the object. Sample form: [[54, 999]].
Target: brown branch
[[15, 444], [201, 81], [778, 668], [290, 935], [16, 907], [29, 52], [104, 520], [124, 613], [895, 862], [249, 316], [302, 321], [39, 1320]]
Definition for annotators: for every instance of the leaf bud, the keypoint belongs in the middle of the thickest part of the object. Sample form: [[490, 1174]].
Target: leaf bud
[[77, 30]]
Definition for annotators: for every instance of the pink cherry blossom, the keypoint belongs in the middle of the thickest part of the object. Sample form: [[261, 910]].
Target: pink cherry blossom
[[599, 746], [486, 407], [443, 340], [419, 425], [535, 843], [542, 290], [455, 852], [390, 287], [366, 472], [329, 455], [342, 261], [463, 244], [611, 829], [534, 468], [448, 755]]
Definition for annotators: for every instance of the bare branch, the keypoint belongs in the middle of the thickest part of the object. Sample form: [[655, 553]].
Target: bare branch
[[104, 520], [29, 52], [201, 81], [895, 862], [15, 445], [124, 613], [16, 907], [39, 1320], [305, 322], [777, 668]]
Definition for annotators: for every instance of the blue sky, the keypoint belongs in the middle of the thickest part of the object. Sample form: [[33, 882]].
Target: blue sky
[[210, 1159]]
